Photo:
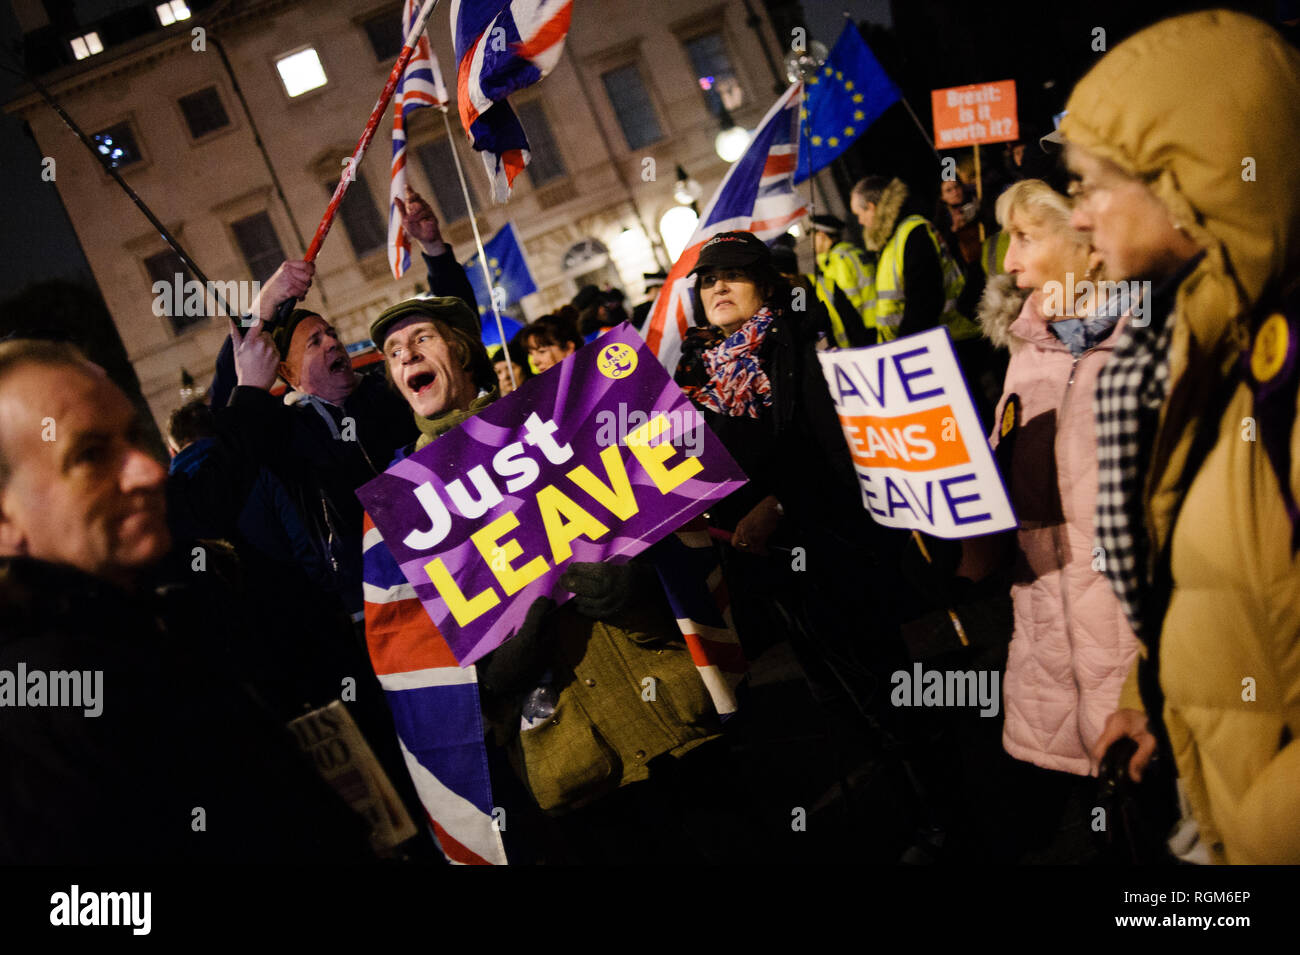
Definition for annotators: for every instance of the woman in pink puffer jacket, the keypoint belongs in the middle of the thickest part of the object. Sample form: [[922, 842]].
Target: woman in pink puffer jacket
[[1072, 645]]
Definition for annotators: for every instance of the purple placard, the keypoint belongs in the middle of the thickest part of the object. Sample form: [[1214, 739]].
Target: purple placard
[[613, 393]]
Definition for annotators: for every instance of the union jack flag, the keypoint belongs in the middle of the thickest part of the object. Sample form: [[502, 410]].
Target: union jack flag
[[757, 195], [691, 574], [435, 703], [435, 707], [421, 85], [503, 46]]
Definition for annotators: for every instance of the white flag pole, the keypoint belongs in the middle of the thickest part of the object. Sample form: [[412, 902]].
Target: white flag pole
[[478, 241]]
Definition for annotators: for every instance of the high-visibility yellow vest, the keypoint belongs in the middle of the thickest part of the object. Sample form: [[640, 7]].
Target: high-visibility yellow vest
[[994, 253], [845, 266], [891, 296]]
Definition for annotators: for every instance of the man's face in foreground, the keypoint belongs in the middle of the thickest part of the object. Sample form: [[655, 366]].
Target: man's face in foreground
[[92, 497]]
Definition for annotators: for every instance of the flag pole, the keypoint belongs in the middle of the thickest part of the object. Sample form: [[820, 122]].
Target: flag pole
[[478, 242], [924, 135], [283, 310], [367, 134]]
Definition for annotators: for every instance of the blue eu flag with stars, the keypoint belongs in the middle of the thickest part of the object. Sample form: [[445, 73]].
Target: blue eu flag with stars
[[509, 272], [847, 94]]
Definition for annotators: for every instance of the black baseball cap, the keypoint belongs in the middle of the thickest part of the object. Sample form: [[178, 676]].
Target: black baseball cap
[[733, 250]]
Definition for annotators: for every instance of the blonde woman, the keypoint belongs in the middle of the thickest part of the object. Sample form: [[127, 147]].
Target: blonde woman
[[1072, 645]]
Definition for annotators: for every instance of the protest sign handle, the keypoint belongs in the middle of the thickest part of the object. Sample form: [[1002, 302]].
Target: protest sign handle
[[952, 614]]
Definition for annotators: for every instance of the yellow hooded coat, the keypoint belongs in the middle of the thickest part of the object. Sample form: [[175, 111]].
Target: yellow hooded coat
[[1206, 109]]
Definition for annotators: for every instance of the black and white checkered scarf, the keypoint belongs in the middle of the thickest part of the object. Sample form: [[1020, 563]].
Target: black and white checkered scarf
[[1131, 388]]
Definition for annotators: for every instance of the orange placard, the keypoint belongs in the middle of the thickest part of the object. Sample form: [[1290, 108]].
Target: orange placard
[[923, 441], [980, 113]]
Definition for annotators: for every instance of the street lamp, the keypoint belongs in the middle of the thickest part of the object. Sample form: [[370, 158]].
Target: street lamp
[[730, 144], [686, 190], [676, 227]]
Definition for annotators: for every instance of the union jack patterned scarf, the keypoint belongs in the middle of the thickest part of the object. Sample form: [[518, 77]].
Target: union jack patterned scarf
[[737, 385]]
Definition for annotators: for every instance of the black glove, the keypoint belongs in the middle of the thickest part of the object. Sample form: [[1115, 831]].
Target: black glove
[[515, 665], [602, 590]]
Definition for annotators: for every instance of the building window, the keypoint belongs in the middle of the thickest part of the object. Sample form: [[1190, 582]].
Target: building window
[[203, 112], [88, 45], [173, 12], [361, 221], [545, 163], [713, 71], [632, 106], [301, 72], [385, 34], [167, 267], [259, 245], [440, 167], [117, 145]]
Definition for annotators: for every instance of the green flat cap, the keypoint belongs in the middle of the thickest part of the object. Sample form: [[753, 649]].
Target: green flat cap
[[451, 310]]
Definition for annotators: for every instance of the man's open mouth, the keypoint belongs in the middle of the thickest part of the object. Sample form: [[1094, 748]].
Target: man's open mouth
[[340, 363], [420, 381]]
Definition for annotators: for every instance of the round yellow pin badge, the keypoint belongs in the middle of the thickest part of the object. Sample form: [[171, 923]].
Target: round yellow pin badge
[[616, 360], [1268, 354]]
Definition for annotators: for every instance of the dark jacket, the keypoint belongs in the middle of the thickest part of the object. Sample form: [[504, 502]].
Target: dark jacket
[[323, 453], [307, 445], [176, 734], [795, 450]]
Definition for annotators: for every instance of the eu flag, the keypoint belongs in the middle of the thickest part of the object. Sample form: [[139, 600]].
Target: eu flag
[[509, 271], [846, 95]]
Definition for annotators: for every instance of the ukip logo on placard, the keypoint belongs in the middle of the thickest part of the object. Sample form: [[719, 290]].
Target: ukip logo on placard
[[617, 360]]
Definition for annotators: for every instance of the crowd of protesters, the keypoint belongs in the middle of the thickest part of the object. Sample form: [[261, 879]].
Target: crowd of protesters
[[1148, 441]]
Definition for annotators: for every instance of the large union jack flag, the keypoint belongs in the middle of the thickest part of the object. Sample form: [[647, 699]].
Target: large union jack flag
[[435, 704], [757, 195], [421, 85], [503, 46], [435, 707]]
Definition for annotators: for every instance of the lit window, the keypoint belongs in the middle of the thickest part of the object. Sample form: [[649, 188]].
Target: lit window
[[713, 70], [88, 45], [169, 13], [117, 145], [301, 71]]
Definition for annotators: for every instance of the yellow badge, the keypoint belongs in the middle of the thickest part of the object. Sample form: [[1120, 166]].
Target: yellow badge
[[1009, 415], [617, 360], [1269, 352]]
